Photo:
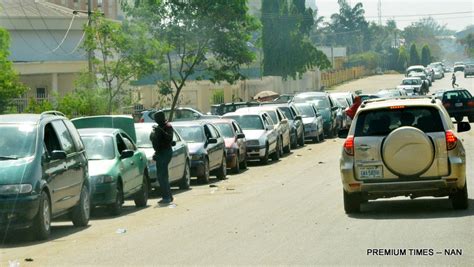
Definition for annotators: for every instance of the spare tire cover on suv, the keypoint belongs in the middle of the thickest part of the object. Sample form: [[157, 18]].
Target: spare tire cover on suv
[[407, 151]]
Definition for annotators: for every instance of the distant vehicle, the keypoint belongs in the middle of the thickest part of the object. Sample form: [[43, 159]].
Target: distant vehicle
[[221, 109], [346, 95], [459, 66], [312, 121], [343, 120], [468, 70], [388, 93], [379, 161], [281, 124], [235, 143], [439, 69], [206, 149], [262, 137], [415, 69], [364, 97], [326, 107], [44, 173], [179, 168], [180, 114], [412, 85], [284, 98], [458, 103], [296, 122], [423, 77]]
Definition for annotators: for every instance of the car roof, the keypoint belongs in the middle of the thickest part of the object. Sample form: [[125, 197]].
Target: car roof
[[30, 118], [99, 131], [312, 94], [264, 108], [399, 101], [412, 78], [189, 123]]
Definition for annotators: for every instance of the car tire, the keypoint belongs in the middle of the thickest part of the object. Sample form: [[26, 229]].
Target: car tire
[[204, 179], [351, 202], [116, 208], [276, 154], [81, 213], [41, 227], [243, 164], [185, 183], [459, 199], [141, 198], [458, 118], [287, 148], [221, 173], [264, 159], [301, 140], [236, 169], [471, 118], [321, 137], [315, 139]]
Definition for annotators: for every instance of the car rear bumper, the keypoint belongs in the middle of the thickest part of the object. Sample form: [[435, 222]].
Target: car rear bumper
[[18, 213]]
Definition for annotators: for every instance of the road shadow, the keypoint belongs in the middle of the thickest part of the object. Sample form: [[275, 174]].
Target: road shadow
[[25, 238], [412, 209]]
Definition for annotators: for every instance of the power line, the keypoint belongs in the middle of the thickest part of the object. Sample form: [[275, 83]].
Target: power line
[[49, 31]]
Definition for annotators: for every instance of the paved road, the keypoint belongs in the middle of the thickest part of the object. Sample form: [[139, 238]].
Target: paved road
[[286, 213]]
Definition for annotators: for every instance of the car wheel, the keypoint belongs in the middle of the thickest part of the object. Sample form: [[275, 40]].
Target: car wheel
[[204, 179], [264, 159], [294, 142], [460, 199], [186, 180], [458, 118], [236, 169], [141, 197], [301, 139], [471, 118], [116, 208], [81, 213], [243, 164], [276, 154], [287, 148], [42, 223], [315, 139], [351, 202], [321, 137], [222, 171]]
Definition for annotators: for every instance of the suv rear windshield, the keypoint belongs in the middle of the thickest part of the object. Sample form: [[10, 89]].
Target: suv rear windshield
[[382, 121]]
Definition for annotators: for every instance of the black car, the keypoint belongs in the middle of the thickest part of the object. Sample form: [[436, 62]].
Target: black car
[[458, 103], [43, 172]]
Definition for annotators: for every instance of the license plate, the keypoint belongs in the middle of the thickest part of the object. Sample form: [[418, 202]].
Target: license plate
[[370, 172], [458, 104]]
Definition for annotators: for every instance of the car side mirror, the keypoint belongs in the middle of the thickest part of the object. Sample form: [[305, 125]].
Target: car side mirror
[[212, 141], [334, 108], [298, 117], [173, 143], [463, 126], [58, 154], [240, 136], [126, 154], [343, 133]]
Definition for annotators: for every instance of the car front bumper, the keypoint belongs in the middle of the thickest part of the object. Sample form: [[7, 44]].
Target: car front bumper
[[103, 194], [231, 160], [18, 212], [197, 168], [254, 152]]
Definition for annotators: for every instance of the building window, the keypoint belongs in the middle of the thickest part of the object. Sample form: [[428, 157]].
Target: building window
[[40, 93], [99, 3]]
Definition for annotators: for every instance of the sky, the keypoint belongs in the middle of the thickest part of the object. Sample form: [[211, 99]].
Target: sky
[[407, 11]]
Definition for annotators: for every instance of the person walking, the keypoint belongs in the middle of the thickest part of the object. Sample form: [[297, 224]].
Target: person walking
[[162, 140], [453, 80]]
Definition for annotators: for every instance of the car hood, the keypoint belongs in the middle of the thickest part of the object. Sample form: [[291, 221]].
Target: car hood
[[101, 167], [254, 134], [195, 148], [16, 171]]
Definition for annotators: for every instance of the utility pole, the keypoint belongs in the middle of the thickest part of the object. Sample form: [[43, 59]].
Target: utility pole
[[379, 9], [90, 54]]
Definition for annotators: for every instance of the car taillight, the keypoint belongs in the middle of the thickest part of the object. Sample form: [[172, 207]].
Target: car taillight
[[451, 140], [349, 145], [141, 120], [470, 103], [446, 105]]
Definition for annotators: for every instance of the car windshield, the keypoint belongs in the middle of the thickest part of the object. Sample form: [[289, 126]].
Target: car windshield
[[191, 134], [225, 129], [381, 122], [322, 101], [287, 112], [248, 122], [411, 82], [17, 141], [342, 102], [99, 147], [143, 137], [273, 115], [306, 111]]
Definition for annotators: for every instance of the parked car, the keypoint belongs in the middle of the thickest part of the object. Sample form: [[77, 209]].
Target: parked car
[[180, 114], [284, 98], [312, 121], [295, 120], [438, 69], [411, 85], [221, 109], [206, 149], [117, 169], [403, 147], [344, 95], [43, 173], [179, 168], [364, 97], [468, 70], [423, 78], [262, 137], [459, 66], [235, 143], [281, 124], [326, 107], [458, 103], [343, 121]]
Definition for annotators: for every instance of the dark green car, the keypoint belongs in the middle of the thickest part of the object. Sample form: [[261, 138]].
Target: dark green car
[[43, 173]]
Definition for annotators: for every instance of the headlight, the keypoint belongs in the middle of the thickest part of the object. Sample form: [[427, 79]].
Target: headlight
[[13, 189], [197, 157], [102, 179]]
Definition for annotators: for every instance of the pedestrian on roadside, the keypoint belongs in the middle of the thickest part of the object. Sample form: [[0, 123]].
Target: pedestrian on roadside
[[162, 140], [453, 79], [352, 110]]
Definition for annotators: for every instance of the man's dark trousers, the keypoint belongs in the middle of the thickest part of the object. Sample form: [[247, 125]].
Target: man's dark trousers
[[162, 161]]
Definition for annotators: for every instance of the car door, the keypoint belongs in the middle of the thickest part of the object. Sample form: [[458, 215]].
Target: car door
[[271, 134], [126, 165], [218, 148], [241, 142], [137, 163], [285, 126], [178, 160], [298, 123]]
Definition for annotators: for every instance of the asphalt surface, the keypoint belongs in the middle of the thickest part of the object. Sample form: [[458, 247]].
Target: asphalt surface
[[285, 213]]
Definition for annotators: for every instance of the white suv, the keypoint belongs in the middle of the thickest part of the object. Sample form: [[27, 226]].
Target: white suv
[[403, 147]]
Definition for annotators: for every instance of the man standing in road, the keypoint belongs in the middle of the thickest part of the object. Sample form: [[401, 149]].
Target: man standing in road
[[453, 79], [162, 139]]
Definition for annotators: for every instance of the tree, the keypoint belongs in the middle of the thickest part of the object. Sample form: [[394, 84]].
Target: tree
[[414, 56], [10, 86], [122, 52], [204, 39], [468, 43], [393, 54], [425, 55], [288, 51], [402, 62], [425, 31]]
